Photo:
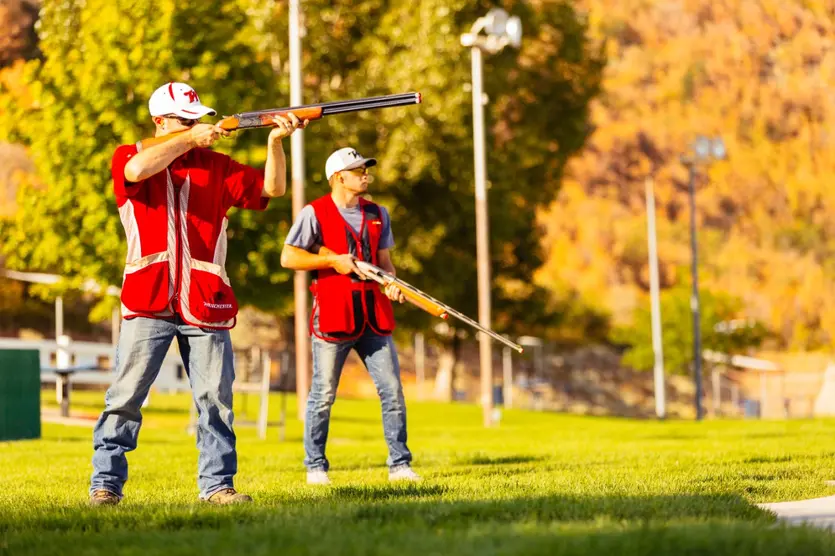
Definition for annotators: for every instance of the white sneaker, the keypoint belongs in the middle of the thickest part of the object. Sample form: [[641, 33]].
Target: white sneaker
[[318, 478], [404, 473]]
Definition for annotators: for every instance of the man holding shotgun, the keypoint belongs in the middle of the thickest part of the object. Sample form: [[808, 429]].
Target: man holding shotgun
[[349, 312], [173, 196]]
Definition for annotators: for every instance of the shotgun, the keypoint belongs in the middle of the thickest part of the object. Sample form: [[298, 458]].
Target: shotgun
[[426, 301], [263, 118]]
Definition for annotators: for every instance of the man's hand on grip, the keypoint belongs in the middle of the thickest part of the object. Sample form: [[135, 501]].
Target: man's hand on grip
[[204, 135], [393, 292], [285, 126], [344, 264]]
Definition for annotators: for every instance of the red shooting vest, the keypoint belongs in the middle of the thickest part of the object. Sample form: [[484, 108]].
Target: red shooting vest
[[335, 295], [175, 223]]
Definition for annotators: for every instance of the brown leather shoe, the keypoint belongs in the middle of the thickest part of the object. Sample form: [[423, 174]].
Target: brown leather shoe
[[228, 496], [103, 497]]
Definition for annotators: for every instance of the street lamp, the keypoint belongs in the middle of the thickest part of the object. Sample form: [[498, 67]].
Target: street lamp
[[703, 151], [500, 30]]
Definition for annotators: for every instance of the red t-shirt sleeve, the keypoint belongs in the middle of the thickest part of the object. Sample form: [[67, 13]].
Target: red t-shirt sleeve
[[244, 185], [121, 187]]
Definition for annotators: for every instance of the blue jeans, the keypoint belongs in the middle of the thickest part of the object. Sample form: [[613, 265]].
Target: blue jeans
[[380, 358], [207, 357]]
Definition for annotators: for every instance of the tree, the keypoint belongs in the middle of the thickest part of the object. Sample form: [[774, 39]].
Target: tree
[[18, 40], [720, 330]]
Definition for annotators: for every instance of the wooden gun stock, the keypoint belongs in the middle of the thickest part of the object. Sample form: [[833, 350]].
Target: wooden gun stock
[[263, 118], [425, 304]]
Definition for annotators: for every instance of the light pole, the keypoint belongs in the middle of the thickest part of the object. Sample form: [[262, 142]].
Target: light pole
[[500, 30], [297, 172], [655, 303], [703, 151]]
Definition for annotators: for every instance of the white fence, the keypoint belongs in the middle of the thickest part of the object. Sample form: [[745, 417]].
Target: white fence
[[66, 354], [172, 376]]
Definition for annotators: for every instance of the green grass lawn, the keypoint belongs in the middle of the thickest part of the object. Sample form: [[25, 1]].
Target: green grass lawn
[[537, 484]]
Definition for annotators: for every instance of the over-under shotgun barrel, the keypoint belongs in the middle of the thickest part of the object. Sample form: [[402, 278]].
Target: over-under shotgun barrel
[[263, 118]]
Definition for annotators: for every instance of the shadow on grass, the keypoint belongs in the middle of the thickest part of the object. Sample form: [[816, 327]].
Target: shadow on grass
[[299, 537], [763, 459], [400, 506], [503, 460], [387, 493], [568, 508], [461, 471]]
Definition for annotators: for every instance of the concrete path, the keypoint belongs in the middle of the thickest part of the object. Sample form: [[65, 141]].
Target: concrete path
[[818, 512]]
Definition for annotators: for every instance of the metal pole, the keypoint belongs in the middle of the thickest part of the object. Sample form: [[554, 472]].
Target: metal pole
[[285, 365], [61, 357], [420, 363], [264, 407], [59, 317], [63, 360], [716, 386], [655, 304], [735, 398], [482, 242], [694, 299], [297, 170], [763, 394], [507, 378]]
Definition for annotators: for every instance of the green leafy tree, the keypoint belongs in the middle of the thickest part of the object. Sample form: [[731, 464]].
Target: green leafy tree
[[721, 330]]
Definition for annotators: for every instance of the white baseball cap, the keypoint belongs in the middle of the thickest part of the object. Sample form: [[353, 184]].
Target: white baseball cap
[[178, 99], [346, 159]]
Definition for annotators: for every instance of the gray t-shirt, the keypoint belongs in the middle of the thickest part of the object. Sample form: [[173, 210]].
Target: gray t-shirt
[[305, 232]]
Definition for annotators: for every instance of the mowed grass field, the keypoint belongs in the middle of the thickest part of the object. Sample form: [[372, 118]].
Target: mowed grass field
[[536, 484]]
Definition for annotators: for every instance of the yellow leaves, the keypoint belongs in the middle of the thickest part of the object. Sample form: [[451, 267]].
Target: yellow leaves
[[760, 74], [13, 82]]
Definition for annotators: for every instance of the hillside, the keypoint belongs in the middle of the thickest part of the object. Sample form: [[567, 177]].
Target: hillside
[[757, 73]]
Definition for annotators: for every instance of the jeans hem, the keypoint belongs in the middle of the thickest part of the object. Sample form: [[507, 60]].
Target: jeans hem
[[208, 494], [399, 466], [317, 468]]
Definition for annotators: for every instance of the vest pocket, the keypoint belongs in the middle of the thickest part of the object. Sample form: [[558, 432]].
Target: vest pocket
[[336, 310], [145, 287], [383, 313], [210, 296]]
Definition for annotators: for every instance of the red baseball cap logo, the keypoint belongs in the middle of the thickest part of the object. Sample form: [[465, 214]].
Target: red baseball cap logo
[[179, 99]]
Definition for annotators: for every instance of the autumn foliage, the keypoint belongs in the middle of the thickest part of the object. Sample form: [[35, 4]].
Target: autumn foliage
[[758, 73]]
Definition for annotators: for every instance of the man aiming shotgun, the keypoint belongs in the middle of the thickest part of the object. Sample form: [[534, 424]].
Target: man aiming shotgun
[[173, 196], [348, 311]]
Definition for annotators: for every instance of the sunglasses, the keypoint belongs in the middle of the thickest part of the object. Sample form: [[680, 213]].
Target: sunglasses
[[183, 121], [363, 171]]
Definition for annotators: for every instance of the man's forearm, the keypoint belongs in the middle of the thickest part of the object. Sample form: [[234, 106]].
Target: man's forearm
[[295, 258], [275, 171], [153, 160]]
